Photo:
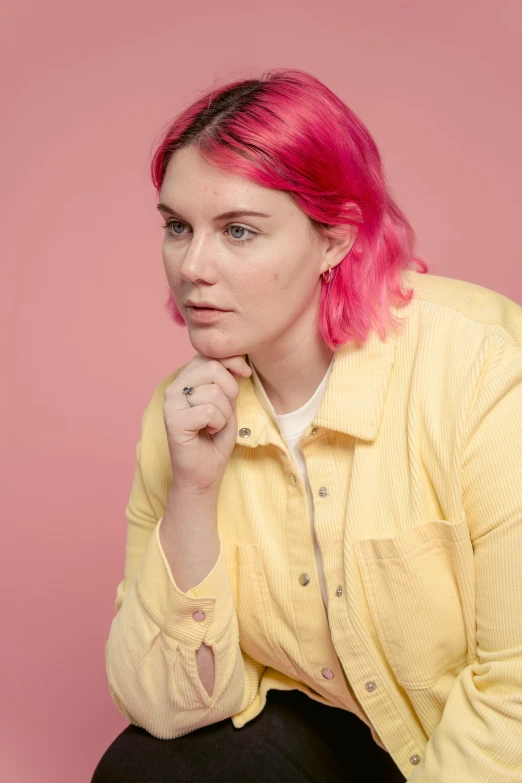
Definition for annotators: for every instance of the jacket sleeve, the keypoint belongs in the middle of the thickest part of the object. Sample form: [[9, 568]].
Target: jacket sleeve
[[479, 737], [150, 653]]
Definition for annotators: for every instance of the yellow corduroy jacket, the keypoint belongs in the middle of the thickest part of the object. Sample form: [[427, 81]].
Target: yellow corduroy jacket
[[418, 442]]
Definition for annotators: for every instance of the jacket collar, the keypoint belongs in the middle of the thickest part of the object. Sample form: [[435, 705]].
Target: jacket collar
[[353, 402]]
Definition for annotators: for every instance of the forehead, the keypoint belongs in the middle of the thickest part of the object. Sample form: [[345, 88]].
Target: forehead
[[189, 178]]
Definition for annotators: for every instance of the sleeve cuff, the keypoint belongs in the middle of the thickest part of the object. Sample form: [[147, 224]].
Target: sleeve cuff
[[171, 609]]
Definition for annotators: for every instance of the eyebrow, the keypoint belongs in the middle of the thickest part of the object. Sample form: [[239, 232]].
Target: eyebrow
[[235, 213]]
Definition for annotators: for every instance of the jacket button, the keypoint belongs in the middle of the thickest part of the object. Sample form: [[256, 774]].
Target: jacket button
[[244, 432], [339, 591], [370, 686], [323, 492], [313, 431], [293, 480], [198, 616], [304, 579], [415, 760], [327, 674]]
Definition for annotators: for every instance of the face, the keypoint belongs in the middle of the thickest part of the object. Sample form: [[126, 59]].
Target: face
[[265, 271]]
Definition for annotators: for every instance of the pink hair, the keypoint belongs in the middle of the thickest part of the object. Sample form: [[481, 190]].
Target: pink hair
[[288, 131]]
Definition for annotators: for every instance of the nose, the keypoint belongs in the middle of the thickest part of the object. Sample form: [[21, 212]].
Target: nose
[[199, 261]]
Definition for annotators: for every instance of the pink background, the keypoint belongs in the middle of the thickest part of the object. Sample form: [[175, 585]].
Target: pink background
[[84, 335]]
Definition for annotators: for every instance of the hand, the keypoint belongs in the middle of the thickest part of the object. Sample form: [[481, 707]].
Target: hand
[[201, 439]]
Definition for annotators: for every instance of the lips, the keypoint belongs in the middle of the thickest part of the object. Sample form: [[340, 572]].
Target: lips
[[203, 306], [205, 315]]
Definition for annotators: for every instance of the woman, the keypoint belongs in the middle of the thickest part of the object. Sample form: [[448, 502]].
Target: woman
[[324, 524]]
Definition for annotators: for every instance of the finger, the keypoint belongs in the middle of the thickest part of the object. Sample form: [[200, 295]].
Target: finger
[[205, 394], [236, 364], [210, 372], [188, 423]]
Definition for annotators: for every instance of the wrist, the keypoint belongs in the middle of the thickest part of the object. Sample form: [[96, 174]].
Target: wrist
[[178, 493], [196, 503]]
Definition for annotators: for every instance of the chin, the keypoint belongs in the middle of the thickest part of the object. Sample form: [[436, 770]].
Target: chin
[[217, 346]]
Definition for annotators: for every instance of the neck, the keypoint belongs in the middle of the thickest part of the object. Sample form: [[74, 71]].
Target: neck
[[291, 377]]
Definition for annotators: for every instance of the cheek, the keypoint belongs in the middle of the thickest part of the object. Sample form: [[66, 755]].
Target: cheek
[[165, 258], [265, 289], [170, 265]]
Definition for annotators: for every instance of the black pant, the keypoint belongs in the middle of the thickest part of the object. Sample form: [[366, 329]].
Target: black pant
[[294, 739]]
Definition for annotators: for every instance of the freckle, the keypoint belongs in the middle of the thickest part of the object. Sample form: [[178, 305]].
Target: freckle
[[276, 276]]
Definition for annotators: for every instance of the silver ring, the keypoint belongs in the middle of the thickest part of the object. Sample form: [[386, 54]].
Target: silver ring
[[186, 391]]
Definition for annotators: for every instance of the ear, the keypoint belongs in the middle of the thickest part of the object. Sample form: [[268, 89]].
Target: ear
[[338, 247]]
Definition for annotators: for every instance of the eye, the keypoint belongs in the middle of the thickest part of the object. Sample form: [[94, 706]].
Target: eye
[[172, 223], [239, 240], [242, 228]]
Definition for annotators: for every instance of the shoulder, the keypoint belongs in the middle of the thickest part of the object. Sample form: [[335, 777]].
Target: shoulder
[[153, 448], [158, 394], [475, 308], [153, 425]]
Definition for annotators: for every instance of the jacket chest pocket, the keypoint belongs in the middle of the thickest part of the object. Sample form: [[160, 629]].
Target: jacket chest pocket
[[253, 604], [420, 590]]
